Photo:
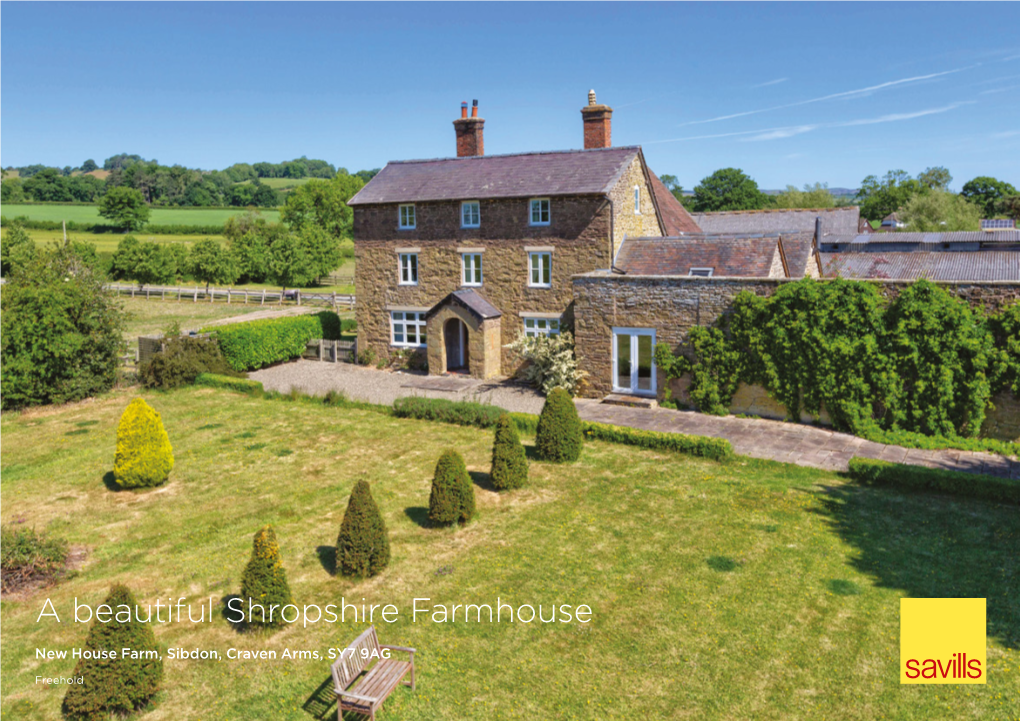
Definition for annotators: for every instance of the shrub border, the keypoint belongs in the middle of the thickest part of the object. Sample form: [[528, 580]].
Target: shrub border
[[872, 472]]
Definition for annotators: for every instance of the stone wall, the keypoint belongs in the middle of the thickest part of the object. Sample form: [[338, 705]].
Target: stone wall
[[578, 238], [483, 346], [628, 223], [1003, 422], [672, 305]]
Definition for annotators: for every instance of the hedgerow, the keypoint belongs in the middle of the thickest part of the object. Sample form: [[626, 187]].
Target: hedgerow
[[884, 473], [924, 363], [718, 449], [464, 413], [256, 344], [149, 228]]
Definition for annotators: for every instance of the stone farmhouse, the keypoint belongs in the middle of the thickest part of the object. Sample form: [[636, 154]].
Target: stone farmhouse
[[458, 257]]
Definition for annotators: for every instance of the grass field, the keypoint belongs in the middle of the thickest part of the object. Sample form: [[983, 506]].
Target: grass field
[[719, 591], [282, 183], [159, 216]]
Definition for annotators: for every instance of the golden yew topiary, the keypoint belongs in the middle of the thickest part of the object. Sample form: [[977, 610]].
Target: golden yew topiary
[[144, 455]]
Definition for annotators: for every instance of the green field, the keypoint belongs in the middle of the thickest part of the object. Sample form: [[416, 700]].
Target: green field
[[723, 591], [283, 183], [159, 216]]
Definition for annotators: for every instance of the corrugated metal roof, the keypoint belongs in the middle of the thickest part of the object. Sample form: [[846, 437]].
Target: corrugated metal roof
[[964, 266], [570, 172], [975, 236], [835, 221]]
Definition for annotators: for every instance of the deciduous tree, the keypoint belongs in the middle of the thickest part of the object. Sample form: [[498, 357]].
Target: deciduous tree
[[986, 192], [124, 207], [728, 189]]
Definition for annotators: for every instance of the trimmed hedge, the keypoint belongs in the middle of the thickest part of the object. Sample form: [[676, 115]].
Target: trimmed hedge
[[509, 461], [883, 473], [453, 495], [718, 449], [144, 456], [464, 413], [119, 685], [559, 438], [363, 546], [242, 385], [258, 343]]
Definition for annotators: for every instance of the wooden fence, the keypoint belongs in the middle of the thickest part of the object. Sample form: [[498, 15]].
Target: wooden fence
[[237, 295], [332, 351]]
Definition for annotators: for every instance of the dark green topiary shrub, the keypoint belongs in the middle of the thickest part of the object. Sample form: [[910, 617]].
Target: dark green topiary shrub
[[119, 685], [363, 547], [182, 361], [559, 438], [509, 463], [264, 581], [453, 496]]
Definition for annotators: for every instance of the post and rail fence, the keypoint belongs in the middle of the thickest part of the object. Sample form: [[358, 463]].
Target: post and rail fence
[[239, 295]]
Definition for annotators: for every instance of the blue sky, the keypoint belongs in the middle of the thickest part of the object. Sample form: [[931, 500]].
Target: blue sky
[[791, 93]]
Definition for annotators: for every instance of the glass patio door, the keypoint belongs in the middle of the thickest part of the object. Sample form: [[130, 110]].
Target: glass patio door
[[634, 361]]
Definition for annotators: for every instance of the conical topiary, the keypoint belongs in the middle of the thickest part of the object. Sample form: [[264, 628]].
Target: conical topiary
[[264, 582], [559, 438], [144, 456], [115, 685], [509, 462], [453, 495], [363, 547]]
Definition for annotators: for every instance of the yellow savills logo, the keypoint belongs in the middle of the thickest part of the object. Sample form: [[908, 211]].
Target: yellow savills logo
[[942, 640]]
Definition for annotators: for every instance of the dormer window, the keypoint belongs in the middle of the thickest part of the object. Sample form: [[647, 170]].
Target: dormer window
[[637, 200], [540, 211], [470, 214], [407, 219]]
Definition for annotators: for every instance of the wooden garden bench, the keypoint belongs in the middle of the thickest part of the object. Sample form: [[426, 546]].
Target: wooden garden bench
[[374, 685]]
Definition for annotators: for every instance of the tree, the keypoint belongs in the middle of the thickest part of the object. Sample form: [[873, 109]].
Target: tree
[[12, 190], [17, 248], [264, 196], [210, 262], [124, 207], [363, 547], [323, 203], [62, 331], [673, 186], [452, 499], [813, 196], [155, 263], [89, 165], [559, 437], [264, 582], [937, 178], [942, 211], [728, 189], [509, 462], [120, 684], [879, 198], [986, 192], [144, 455], [1009, 206]]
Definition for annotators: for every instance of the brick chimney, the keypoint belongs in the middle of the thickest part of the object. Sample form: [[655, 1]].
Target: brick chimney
[[598, 124], [470, 141]]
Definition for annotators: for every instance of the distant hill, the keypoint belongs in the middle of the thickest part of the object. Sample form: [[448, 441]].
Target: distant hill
[[838, 192]]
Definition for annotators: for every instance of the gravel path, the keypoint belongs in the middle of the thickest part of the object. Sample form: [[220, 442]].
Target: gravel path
[[376, 386]]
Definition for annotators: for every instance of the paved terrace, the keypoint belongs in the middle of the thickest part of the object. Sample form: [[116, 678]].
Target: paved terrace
[[773, 440]]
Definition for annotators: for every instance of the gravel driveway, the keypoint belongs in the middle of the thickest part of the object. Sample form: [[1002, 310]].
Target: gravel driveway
[[379, 386]]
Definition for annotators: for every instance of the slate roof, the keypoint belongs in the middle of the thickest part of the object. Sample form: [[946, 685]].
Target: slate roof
[[569, 172], [797, 249], [933, 265], [472, 301], [775, 220], [727, 255], [675, 218], [971, 236]]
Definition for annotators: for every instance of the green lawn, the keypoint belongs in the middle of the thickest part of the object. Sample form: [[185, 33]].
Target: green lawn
[[159, 216], [719, 591]]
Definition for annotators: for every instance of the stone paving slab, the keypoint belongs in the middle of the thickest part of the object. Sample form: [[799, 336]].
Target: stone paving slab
[[792, 443]]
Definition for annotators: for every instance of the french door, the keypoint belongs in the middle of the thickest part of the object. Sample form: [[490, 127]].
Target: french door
[[634, 361]]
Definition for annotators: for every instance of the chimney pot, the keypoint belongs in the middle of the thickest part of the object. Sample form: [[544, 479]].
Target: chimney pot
[[474, 108], [463, 109], [598, 123]]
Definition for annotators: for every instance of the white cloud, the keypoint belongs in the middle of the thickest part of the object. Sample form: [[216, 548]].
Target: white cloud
[[781, 133], [847, 94], [770, 82], [998, 90], [895, 117]]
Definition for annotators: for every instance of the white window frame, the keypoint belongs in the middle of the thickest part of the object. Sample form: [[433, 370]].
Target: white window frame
[[417, 322], [701, 272], [475, 267], [477, 213], [404, 263], [637, 200], [536, 328], [402, 217], [532, 255], [531, 211], [632, 334]]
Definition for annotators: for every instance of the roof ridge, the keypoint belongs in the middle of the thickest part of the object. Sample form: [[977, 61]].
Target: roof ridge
[[779, 210], [633, 148]]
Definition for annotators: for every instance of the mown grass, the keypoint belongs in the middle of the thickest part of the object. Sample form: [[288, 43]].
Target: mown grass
[[159, 216], [720, 591]]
